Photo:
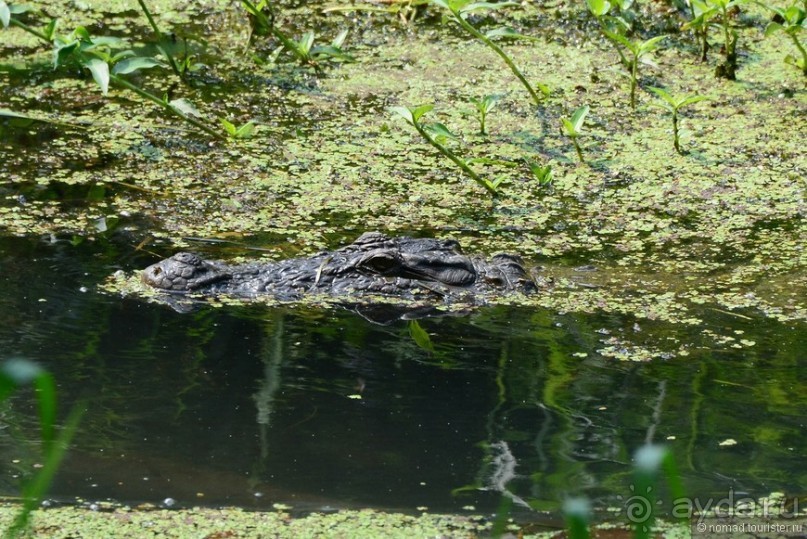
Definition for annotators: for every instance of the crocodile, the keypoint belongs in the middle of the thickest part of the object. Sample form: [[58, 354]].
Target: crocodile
[[373, 265]]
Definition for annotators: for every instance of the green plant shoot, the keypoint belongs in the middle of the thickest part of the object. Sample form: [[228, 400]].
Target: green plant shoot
[[436, 134], [460, 9], [638, 49], [611, 24], [303, 49], [792, 21], [238, 132], [674, 104], [704, 13], [573, 126], [541, 173], [483, 107]]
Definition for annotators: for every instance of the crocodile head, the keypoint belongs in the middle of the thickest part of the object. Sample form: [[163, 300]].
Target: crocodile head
[[183, 272]]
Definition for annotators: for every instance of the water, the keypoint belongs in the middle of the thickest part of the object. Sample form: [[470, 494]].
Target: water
[[253, 405]]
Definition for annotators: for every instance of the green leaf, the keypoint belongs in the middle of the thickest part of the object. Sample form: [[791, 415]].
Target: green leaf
[[441, 130], [100, 72], [6, 113], [186, 107], [228, 127], [485, 6], [245, 131], [633, 47], [665, 96], [542, 174], [598, 8], [82, 34], [579, 116], [17, 9], [130, 65], [306, 42], [691, 100], [105, 41], [442, 3], [62, 51], [543, 88], [569, 128], [339, 40], [772, 28], [418, 112], [50, 29], [420, 336], [650, 45], [5, 14], [403, 112], [128, 53], [795, 16], [329, 51], [486, 104], [507, 33]]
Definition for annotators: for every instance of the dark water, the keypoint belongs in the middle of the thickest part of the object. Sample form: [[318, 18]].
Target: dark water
[[253, 405]]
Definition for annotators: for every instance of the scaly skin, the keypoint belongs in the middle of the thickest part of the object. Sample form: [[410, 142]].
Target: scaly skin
[[404, 267]]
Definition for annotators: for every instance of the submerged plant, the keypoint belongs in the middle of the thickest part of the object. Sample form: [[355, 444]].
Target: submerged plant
[[573, 126], [637, 49], [436, 134], [483, 107], [461, 9], [673, 104], [792, 21]]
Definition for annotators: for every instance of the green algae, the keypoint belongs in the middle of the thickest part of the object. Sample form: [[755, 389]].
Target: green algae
[[78, 522], [671, 234]]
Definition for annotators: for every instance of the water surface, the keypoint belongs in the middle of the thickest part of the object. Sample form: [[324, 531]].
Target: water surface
[[254, 405]]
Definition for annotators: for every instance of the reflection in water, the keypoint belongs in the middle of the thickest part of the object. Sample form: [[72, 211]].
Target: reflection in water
[[256, 405]]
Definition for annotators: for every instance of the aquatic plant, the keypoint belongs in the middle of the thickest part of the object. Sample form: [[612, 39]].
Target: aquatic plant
[[611, 24], [483, 107], [573, 126], [542, 173], [673, 104], [303, 49], [107, 59], [577, 513], [705, 13], [650, 461], [699, 24], [406, 10], [14, 375], [436, 134], [461, 9], [791, 21], [171, 61], [637, 49]]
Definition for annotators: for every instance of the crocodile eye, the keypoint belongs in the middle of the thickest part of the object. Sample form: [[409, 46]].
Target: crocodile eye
[[381, 263]]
